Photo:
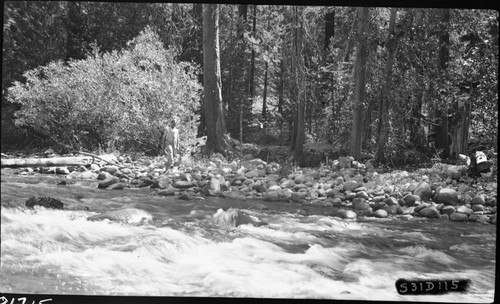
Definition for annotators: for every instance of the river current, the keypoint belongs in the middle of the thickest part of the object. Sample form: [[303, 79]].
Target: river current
[[47, 251]]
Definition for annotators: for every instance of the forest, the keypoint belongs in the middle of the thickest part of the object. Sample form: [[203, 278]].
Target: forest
[[398, 85]]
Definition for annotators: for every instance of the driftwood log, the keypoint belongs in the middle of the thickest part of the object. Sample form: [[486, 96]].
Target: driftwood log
[[54, 161], [46, 162]]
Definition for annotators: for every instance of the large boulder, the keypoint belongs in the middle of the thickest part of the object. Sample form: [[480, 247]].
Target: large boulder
[[430, 211], [447, 196], [380, 213], [423, 190], [350, 185], [344, 213], [234, 218], [458, 217], [108, 182], [360, 205], [44, 201]]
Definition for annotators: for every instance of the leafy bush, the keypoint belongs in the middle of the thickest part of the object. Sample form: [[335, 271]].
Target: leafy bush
[[112, 100]]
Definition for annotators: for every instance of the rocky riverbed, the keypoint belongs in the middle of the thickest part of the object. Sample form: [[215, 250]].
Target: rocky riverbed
[[346, 188]]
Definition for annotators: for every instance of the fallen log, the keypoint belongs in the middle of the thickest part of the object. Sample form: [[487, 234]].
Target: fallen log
[[46, 162]]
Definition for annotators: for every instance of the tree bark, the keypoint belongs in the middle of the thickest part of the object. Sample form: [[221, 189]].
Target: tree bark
[[442, 131], [216, 129], [361, 56], [298, 136], [264, 97], [391, 46]]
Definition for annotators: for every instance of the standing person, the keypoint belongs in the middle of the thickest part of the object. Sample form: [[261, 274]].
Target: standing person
[[171, 143]]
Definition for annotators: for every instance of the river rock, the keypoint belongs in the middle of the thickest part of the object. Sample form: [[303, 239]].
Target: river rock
[[180, 184], [361, 205], [345, 213], [234, 218], [391, 201], [117, 186], [87, 175], [380, 213], [108, 182], [410, 199], [477, 208], [126, 215], [44, 201], [62, 170], [379, 205], [447, 197], [110, 169], [464, 209], [287, 184], [423, 190], [235, 195], [393, 209], [168, 191], [448, 210], [491, 202], [350, 185], [362, 194], [297, 196], [430, 212], [458, 217], [478, 200], [478, 218], [493, 219], [271, 195], [213, 187]]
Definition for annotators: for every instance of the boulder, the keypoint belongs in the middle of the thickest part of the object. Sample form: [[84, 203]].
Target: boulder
[[362, 194], [213, 187], [345, 213], [110, 169], [464, 209], [271, 195], [410, 199], [44, 201], [380, 213], [108, 182], [477, 208], [117, 186], [287, 184], [180, 184], [430, 212], [447, 197], [423, 190], [391, 201], [297, 196], [234, 218], [168, 191], [103, 175], [350, 185], [393, 209], [458, 217], [448, 210], [361, 206], [478, 200]]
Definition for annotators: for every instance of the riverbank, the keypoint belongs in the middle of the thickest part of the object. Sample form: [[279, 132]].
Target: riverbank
[[346, 189]]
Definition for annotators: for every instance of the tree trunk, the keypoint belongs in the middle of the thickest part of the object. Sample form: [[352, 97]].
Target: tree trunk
[[247, 109], [442, 132], [298, 136], [264, 97], [391, 46], [212, 82], [361, 56]]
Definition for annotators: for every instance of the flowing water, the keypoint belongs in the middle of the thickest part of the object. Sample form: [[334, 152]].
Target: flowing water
[[294, 256]]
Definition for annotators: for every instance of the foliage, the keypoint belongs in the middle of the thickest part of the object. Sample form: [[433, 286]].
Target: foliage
[[114, 100]]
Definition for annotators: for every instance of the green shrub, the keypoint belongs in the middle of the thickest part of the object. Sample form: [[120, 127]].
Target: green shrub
[[118, 100]]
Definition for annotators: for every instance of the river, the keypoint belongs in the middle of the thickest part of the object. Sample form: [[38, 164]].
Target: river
[[47, 251]]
